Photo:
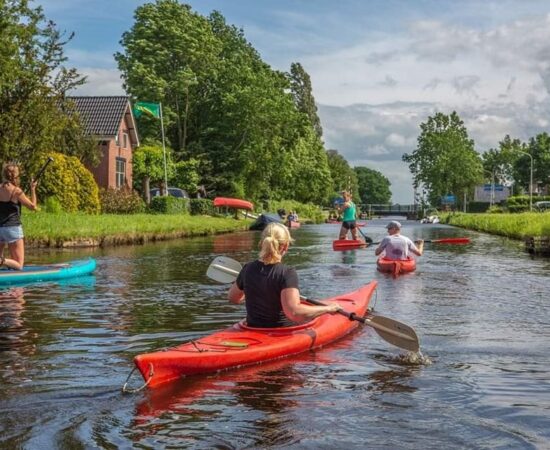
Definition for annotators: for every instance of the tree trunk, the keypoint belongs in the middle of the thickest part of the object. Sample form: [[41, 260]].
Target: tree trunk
[[146, 190]]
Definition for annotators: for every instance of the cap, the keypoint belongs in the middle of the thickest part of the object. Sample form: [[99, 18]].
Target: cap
[[393, 224]]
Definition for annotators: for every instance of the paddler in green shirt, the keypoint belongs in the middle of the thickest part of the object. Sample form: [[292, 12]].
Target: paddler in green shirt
[[348, 219]]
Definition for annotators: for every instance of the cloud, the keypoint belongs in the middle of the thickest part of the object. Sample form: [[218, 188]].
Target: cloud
[[100, 82]]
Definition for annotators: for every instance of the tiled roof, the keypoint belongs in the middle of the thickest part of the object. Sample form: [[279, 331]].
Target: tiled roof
[[101, 115]]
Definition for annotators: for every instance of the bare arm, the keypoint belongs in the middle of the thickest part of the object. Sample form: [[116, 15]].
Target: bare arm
[[235, 295], [24, 200], [418, 248], [296, 311]]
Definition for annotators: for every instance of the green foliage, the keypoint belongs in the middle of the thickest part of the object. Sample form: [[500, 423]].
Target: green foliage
[[478, 207], [305, 211], [121, 201], [300, 85], [374, 188], [148, 161], [35, 116], [186, 175], [201, 206], [230, 118], [445, 161], [169, 205], [343, 176], [70, 182], [52, 205]]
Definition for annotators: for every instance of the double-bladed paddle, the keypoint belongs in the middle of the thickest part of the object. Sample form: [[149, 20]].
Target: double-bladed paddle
[[460, 240], [225, 270]]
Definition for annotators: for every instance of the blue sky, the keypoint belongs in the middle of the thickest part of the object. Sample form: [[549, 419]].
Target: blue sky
[[378, 68]]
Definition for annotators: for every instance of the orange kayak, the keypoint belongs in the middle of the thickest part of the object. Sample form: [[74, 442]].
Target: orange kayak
[[241, 345], [348, 244], [396, 267], [233, 203]]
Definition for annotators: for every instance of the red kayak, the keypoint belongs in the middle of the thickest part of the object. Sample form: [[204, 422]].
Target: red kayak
[[293, 224], [348, 244], [241, 345], [396, 267], [233, 203]]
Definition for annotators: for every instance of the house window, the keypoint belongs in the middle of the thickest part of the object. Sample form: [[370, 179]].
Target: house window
[[117, 139], [125, 140], [120, 172]]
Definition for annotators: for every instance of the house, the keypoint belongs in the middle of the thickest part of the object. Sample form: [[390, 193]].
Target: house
[[110, 121]]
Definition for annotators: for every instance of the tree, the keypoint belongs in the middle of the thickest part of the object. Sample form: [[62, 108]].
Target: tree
[[34, 116], [374, 188], [445, 160], [499, 163], [300, 85], [148, 168], [539, 148], [169, 57], [343, 176]]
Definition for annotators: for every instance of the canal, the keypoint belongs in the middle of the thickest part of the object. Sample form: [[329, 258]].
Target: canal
[[481, 311]]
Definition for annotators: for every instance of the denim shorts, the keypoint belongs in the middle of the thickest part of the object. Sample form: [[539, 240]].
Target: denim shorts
[[11, 234]]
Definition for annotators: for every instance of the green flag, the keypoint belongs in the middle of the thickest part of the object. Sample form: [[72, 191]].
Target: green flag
[[151, 109]]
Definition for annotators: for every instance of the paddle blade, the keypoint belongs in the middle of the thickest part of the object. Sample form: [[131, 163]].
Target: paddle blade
[[394, 332], [461, 240], [223, 269]]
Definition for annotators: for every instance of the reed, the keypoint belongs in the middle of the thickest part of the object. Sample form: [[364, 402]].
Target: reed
[[518, 226]]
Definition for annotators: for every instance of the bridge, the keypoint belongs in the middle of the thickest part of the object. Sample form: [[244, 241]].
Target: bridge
[[410, 211]]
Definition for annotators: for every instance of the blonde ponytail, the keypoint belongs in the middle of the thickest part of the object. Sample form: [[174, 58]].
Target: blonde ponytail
[[274, 237], [10, 173]]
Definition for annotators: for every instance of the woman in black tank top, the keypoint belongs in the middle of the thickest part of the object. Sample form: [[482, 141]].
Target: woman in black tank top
[[11, 231], [271, 288]]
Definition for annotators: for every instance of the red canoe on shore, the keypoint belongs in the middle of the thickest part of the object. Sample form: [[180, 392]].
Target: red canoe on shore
[[241, 345], [396, 267], [348, 244], [233, 203]]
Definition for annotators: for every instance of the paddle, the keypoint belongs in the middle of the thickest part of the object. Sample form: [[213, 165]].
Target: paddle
[[225, 270], [368, 240], [461, 240], [41, 171]]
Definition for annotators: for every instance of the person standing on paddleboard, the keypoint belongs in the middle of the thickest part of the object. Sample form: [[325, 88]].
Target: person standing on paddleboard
[[271, 288], [347, 208], [11, 230], [396, 246]]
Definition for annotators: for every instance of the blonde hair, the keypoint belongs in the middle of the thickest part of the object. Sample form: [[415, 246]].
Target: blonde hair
[[274, 236], [10, 173]]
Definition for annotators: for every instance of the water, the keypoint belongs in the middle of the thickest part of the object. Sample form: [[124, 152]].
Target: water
[[481, 312]]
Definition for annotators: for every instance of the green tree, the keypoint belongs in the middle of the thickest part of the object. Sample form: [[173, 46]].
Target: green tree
[[169, 56], [374, 188], [500, 162], [445, 160], [343, 176], [34, 116], [302, 92], [148, 167], [539, 148]]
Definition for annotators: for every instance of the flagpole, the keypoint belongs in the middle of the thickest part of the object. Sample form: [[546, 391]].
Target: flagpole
[[163, 152]]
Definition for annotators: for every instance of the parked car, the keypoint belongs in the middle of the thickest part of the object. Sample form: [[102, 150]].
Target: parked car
[[174, 192], [542, 206]]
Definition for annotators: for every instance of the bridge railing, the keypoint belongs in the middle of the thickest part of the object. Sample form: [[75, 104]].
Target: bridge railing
[[388, 208]]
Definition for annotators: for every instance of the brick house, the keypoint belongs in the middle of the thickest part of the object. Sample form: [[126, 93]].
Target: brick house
[[111, 122]]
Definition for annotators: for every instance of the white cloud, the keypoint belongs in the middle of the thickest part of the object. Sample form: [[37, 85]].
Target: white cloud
[[100, 82]]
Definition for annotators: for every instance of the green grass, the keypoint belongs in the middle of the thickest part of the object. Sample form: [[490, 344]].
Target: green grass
[[516, 226], [57, 230]]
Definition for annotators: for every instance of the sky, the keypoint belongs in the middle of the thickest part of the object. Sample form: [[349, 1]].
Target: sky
[[379, 68]]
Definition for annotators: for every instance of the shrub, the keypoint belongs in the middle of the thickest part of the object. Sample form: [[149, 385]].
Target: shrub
[[169, 205], [71, 183], [201, 206], [121, 201], [52, 205]]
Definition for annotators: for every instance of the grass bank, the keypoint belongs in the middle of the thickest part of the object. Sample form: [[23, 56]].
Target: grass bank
[[82, 230], [517, 226]]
